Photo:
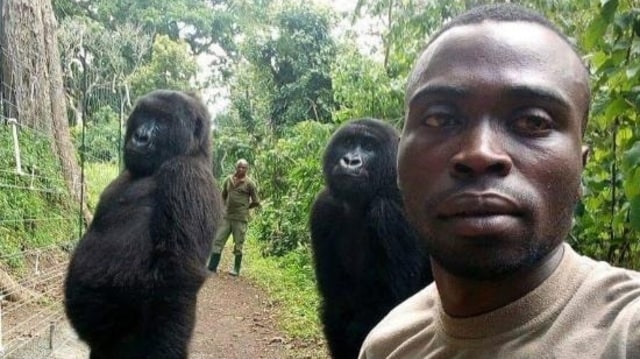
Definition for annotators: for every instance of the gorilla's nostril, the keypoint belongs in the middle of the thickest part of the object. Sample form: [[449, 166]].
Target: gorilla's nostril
[[351, 161], [141, 137]]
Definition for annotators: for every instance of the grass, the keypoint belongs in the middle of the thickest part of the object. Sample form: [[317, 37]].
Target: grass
[[290, 282], [98, 176], [36, 210]]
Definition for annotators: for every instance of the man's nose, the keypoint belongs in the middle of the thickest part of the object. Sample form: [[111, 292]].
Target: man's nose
[[481, 152]]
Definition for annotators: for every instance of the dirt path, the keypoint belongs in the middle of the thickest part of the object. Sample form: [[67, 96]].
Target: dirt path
[[235, 321]]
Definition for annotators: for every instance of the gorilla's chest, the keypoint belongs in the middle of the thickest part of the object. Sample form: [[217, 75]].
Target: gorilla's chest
[[359, 247]]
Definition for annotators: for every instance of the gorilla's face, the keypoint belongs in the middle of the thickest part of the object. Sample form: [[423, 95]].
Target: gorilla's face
[[163, 125], [360, 160]]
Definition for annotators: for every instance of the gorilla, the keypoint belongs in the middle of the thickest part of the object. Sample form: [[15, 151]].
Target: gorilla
[[367, 258], [133, 279]]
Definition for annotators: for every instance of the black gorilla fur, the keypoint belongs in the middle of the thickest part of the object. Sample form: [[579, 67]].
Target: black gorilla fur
[[133, 279], [367, 257]]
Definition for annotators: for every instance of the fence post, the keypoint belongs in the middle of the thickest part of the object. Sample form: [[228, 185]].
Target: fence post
[[16, 144], [52, 327], [1, 343], [37, 269]]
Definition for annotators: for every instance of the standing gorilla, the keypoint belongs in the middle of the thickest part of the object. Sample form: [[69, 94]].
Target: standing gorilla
[[367, 258], [133, 279]]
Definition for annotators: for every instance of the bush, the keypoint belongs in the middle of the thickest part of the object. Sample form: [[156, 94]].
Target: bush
[[101, 136], [36, 208], [289, 177]]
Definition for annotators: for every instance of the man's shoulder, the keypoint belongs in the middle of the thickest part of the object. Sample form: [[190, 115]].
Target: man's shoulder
[[250, 181], [410, 317], [617, 285], [605, 274], [609, 296]]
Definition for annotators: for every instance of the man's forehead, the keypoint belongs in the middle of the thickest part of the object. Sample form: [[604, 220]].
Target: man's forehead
[[498, 45]]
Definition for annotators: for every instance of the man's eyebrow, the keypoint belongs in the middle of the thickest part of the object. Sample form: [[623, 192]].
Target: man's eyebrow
[[439, 91], [519, 91], [538, 93]]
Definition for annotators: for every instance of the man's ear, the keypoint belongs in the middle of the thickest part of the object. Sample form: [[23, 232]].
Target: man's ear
[[585, 158]]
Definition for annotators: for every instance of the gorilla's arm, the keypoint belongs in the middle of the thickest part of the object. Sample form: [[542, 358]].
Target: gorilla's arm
[[124, 190], [185, 215], [399, 240], [328, 220], [327, 230]]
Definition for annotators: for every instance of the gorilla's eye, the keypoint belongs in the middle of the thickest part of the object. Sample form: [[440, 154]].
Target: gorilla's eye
[[368, 144]]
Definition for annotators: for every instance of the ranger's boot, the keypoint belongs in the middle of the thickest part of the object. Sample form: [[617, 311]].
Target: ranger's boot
[[213, 262], [236, 265]]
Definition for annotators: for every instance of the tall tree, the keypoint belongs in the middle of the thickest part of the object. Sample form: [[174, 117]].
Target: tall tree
[[98, 61], [32, 80], [172, 66], [285, 67], [201, 23]]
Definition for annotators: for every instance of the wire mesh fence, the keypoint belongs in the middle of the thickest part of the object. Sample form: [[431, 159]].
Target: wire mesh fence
[[40, 222]]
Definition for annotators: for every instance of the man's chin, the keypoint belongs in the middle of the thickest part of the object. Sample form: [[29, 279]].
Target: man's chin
[[488, 266]]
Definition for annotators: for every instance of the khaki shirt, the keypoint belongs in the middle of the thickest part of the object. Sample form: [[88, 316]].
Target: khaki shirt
[[585, 309], [238, 195]]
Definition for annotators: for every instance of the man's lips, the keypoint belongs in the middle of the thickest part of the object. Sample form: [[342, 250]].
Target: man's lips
[[480, 214], [478, 204]]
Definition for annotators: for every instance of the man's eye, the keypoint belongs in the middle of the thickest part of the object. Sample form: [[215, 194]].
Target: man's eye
[[438, 120], [533, 125]]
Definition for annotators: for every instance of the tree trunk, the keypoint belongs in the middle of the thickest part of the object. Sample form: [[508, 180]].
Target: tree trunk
[[61, 134], [32, 81], [24, 70], [13, 291]]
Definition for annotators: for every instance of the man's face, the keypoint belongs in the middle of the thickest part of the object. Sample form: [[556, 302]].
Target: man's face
[[241, 169], [491, 154]]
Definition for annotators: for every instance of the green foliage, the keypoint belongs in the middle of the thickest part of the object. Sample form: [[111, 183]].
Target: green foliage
[[101, 136], [290, 282], [607, 219], [98, 175], [35, 208], [282, 67], [96, 62], [229, 145], [285, 76], [289, 175], [407, 24], [363, 88], [172, 66], [631, 170], [206, 22]]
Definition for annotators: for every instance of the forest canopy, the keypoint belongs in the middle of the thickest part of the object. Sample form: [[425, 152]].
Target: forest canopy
[[280, 75]]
